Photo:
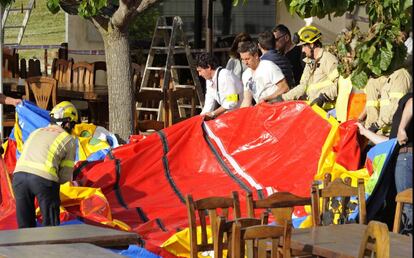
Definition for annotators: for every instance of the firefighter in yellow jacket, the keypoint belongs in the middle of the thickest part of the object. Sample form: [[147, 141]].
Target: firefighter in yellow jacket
[[383, 94], [46, 161], [318, 83]]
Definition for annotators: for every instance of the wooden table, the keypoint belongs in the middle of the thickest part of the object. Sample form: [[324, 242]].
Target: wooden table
[[343, 241], [80, 233], [80, 250]]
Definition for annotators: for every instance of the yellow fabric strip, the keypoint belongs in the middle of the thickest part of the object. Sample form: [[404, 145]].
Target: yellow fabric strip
[[67, 163], [232, 98], [372, 103], [53, 149], [38, 166]]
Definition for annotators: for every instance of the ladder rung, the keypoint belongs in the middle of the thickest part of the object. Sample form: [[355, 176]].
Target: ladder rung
[[150, 89], [180, 67], [13, 27], [166, 48], [182, 86], [188, 106], [19, 9], [165, 27], [148, 109], [155, 68]]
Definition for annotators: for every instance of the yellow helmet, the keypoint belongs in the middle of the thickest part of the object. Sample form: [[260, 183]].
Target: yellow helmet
[[65, 111], [309, 34]]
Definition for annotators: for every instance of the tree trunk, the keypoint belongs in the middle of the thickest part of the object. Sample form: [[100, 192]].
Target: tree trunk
[[120, 91]]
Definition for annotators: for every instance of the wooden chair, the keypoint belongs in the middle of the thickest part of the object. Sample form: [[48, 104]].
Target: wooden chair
[[336, 199], [376, 241], [34, 68], [148, 111], [177, 99], [62, 71], [83, 76], [224, 233], [10, 65], [260, 235], [402, 198], [43, 90], [208, 209], [280, 204]]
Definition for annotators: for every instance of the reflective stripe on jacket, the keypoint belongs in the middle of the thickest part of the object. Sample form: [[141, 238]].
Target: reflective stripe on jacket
[[50, 153]]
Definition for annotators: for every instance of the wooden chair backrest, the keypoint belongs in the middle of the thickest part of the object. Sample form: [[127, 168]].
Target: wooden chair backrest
[[281, 205], [208, 209], [34, 68], [183, 95], [43, 90], [62, 71], [376, 241], [10, 65], [224, 233], [260, 235], [323, 213], [404, 197], [83, 76]]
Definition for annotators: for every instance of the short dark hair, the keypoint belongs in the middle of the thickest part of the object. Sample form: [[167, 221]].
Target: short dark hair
[[282, 29], [206, 60], [248, 46], [266, 40]]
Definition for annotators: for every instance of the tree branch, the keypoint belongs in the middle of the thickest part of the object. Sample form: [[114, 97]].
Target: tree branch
[[145, 4]]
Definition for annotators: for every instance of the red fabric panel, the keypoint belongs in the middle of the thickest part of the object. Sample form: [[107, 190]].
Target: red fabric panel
[[7, 203], [279, 145], [10, 155], [348, 149]]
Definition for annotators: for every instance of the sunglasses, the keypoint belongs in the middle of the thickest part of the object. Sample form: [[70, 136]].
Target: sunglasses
[[281, 36]]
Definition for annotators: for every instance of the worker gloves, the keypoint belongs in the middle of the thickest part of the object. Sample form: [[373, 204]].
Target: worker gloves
[[319, 101]]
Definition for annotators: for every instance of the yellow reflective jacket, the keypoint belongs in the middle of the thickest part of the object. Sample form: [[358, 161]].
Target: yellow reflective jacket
[[319, 76], [49, 152]]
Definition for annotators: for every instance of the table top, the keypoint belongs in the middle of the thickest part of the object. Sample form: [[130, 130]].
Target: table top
[[81, 250], [344, 241], [79, 233]]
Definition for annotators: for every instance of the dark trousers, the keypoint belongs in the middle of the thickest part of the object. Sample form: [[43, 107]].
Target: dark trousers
[[26, 187]]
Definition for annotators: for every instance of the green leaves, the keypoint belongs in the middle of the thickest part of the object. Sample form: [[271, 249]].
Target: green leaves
[[90, 8], [53, 6], [359, 79], [5, 3]]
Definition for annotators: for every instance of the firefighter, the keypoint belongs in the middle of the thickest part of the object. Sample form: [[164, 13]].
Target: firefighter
[[383, 94], [46, 161], [318, 83]]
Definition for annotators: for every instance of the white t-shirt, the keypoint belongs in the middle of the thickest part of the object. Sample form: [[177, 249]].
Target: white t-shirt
[[262, 81], [229, 94]]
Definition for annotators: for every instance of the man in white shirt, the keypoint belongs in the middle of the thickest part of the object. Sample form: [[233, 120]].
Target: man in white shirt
[[223, 87], [263, 80]]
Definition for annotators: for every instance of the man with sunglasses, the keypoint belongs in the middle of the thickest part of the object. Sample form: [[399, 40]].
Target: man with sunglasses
[[320, 76], [286, 47]]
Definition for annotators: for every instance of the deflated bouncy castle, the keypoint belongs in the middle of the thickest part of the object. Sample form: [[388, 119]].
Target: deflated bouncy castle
[[141, 186]]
